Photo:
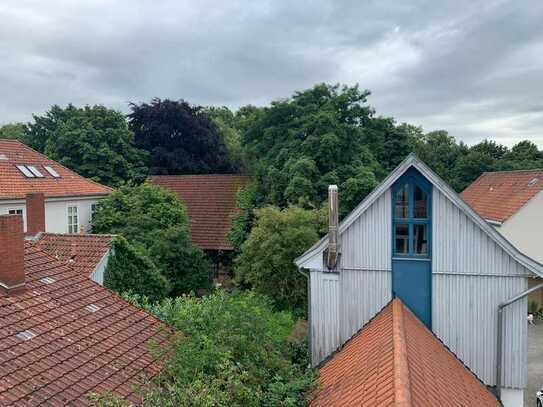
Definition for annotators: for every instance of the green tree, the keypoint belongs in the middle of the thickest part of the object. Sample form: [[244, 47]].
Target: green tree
[[228, 125], [228, 350], [243, 221], [441, 152], [12, 131], [318, 136], [266, 259], [128, 269], [154, 221], [93, 141]]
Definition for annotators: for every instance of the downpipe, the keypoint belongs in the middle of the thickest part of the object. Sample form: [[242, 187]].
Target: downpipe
[[499, 339]]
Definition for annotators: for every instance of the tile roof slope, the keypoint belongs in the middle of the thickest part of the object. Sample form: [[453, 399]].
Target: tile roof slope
[[499, 195], [396, 360], [14, 185], [75, 351], [211, 204], [85, 250]]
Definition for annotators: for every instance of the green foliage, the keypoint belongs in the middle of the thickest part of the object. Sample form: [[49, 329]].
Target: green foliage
[[154, 221], [12, 131], [93, 141], [129, 269], [180, 138], [319, 136], [230, 350], [229, 127], [243, 222], [266, 259]]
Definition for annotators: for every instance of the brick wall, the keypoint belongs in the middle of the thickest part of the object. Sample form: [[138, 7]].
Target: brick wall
[[12, 274], [35, 213]]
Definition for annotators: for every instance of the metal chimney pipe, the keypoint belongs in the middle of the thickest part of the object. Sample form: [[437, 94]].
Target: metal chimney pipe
[[332, 258]]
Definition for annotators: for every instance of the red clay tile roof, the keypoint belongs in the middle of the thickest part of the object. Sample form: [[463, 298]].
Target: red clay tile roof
[[396, 361], [75, 351], [211, 204], [14, 185], [499, 195], [83, 251]]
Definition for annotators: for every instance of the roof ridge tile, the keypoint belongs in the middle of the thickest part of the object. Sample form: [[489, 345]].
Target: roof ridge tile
[[402, 385]]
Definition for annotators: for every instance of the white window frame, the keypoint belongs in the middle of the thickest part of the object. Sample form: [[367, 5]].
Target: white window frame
[[25, 171], [73, 226], [51, 171], [34, 170]]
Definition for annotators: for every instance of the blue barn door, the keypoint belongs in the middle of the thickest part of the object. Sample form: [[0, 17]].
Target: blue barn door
[[412, 243]]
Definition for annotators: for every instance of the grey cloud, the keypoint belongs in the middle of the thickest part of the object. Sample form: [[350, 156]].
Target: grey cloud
[[473, 68]]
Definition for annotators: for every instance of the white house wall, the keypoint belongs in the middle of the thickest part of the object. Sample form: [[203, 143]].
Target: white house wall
[[341, 303], [98, 274], [471, 275], [56, 212], [523, 229]]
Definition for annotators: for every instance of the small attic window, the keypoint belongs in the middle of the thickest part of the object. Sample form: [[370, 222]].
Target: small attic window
[[51, 171], [92, 307], [533, 182], [47, 280], [26, 172], [35, 171], [26, 335]]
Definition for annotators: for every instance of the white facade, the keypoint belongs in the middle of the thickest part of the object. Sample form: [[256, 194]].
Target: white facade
[[56, 212], [473, 270], [523, 229]]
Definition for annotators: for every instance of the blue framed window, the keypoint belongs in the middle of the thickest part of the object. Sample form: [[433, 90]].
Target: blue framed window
[[411, 216]]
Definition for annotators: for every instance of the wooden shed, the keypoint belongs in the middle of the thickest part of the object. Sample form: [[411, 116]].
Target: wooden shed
[[414, 238]]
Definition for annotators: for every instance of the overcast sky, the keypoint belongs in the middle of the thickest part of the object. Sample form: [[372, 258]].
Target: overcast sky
[[472, 68]]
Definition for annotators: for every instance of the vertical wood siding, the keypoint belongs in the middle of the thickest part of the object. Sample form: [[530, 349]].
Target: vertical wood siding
[[342, 303], [471, 276], [366, 244]]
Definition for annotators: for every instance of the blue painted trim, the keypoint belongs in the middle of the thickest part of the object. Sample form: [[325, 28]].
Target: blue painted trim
[[413, 177]]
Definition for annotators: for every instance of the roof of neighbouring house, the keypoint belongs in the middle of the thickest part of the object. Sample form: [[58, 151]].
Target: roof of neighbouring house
[[15, 185], [66, 336], [396, 360], [83, 251], [499, 195], [211, 204]]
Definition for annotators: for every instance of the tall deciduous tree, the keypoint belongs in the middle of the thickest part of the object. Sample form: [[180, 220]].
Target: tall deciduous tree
[[12, 131], [180, 138], [93, 141], [319, 136], [155, 222], [266, 259]]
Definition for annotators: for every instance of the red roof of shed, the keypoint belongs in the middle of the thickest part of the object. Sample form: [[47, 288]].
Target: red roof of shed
[[396, 361], [499, 195], [210, 202], [86, 338], [14, 185], [83, 251]]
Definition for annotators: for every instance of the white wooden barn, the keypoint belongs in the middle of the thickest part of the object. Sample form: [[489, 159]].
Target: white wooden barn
[[414, 238]]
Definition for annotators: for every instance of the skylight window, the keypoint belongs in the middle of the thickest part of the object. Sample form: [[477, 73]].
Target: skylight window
[[34, 171], [26, 335], [47, 280], [533, 182], [3, 157], [51, 171], [26, 172], [92, 307]]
